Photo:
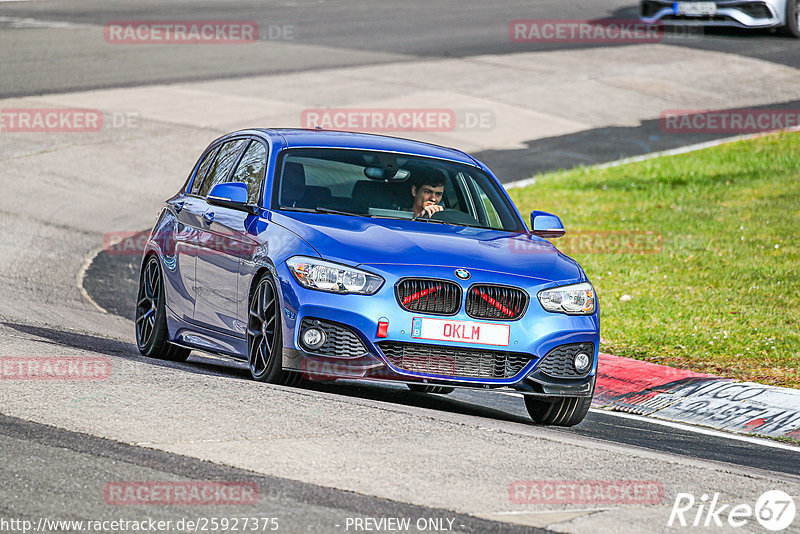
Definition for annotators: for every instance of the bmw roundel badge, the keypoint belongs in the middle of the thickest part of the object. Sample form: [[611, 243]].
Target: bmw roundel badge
[[463, 274]]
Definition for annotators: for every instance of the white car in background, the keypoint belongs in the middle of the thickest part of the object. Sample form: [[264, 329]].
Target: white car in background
[[784, 14]]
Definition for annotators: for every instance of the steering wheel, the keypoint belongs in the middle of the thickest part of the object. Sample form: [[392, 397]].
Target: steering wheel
[[455, 217]]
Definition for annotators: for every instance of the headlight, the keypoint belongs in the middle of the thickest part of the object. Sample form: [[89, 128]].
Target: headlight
[[578, 299], [327, 276]]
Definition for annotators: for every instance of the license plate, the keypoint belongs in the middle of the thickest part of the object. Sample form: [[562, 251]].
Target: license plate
[[695, 9], [461, 331]]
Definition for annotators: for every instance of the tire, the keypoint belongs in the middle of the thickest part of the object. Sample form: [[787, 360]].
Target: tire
[[264, 336], [792, 26], [566, 411], [441, 390], [151, 316]]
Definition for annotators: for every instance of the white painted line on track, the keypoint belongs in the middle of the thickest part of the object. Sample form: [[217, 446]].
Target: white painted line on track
[[81, 274], [700, 430], [520, 183], [689, 428], [652, 155], [556, 511], [680, 150], [18, 23]]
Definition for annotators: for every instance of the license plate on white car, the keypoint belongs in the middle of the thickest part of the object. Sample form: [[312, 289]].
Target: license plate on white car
[[695, 9], [461, 331]]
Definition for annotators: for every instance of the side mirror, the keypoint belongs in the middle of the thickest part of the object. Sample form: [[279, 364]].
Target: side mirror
[[231, 195], [545, 224]]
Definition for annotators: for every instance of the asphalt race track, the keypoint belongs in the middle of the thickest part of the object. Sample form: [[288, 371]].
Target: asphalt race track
[[323, 454], [341, 33]]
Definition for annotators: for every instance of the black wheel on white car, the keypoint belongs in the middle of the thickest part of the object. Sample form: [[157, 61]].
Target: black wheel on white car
[[792, 26], [420, 388], [151, 316], [565, 411]]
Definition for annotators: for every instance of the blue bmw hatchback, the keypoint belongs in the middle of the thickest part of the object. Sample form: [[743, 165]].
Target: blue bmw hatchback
[[323, 255]]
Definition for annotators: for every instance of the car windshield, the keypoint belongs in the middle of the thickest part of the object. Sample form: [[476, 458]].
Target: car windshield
[[381, 184]]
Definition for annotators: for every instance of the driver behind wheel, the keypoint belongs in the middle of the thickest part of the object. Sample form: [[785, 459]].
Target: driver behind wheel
[[427, 191]]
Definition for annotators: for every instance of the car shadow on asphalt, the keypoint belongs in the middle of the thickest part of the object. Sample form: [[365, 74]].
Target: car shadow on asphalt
[[206, 364], [121, 349], [400, 395]]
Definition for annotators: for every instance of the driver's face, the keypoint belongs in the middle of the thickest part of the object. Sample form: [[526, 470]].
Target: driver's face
[[425, 195]]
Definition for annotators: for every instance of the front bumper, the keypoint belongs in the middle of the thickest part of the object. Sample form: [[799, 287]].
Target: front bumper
[[531, 337], [735, 13]]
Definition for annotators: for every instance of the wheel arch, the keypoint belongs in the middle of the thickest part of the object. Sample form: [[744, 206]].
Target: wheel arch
[[268, 268]]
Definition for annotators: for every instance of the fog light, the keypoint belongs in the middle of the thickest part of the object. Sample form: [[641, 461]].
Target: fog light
[[582, 362], [313, 338]]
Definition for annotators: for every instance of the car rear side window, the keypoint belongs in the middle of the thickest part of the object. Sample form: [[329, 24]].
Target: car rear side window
[[202, 170], [251, 170], [223, 165]]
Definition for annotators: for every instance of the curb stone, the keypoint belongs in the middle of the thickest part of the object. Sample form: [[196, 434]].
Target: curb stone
[[663, 392]]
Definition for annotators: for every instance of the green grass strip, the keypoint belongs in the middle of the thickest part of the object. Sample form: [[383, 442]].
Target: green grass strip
[[694, 256]]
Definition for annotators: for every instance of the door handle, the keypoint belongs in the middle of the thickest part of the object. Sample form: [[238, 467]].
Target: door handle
[[208, 217]]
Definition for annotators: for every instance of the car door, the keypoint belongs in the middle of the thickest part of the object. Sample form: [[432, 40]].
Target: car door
[[222, 244], [251, 171], [180, 264]]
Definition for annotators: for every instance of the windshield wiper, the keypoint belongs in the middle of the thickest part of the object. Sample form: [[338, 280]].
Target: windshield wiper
[[292, 208], [339, 212], [481, 227], [326, 211], [428, 219]]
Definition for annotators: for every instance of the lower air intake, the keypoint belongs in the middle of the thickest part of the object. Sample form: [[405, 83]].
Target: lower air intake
[[453, 361]]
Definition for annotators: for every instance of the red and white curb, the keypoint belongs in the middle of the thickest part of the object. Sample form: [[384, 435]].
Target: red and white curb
[[678, 395]]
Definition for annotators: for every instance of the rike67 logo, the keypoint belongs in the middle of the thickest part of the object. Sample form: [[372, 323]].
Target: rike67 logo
[[774, 510]]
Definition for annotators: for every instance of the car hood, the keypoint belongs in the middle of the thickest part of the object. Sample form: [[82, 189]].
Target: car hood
[[362, 241]]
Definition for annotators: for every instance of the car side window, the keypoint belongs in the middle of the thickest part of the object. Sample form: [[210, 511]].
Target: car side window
[[223, 164], [493, 219], [251, 170], [202, 170], [481, 200]]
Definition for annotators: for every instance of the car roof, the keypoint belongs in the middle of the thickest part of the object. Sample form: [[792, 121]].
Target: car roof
[[306, 138]]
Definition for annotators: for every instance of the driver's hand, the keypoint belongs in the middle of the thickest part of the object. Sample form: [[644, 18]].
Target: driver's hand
[[430, 209]]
